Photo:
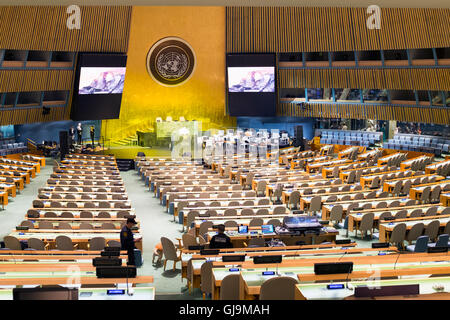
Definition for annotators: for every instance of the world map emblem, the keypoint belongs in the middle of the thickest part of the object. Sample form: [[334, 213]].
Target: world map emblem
[[171, 61]]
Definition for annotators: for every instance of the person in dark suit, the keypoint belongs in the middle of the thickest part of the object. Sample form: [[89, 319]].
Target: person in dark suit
[[92, 132], [127, 240], [220, 240], [79, 133]]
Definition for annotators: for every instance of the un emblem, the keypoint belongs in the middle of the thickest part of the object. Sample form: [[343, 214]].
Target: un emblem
[[171, 61]]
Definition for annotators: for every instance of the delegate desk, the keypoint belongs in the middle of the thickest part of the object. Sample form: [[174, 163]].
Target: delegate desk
[[327, 234], [303, 161], [219, 202], [86, 183], [354, 218], [297, 185], [385, 159], [326, 208], [90, 190], [114, 213], [4, 199], [222, 269], [327, 172], [240, 220], [29, 157], [416, 191], [366, 180], [86, 177], [369, 154], [389, 185], [94, 294], [365, 171], [79, 237], [71, 196], [23, 164], [251, 280], [305, 200], [20, 171], [313, 167], [405, 165], [161, 193], [345, 153], [319, 291], [445, 199], [431, 168], [85, 204], [25, 177], [9, 188], [221, 210], [64, 278], [286, 194], [187, 254], [387, 228]]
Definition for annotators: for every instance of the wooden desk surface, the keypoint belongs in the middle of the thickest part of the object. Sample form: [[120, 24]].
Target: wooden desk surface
[[85, 280]]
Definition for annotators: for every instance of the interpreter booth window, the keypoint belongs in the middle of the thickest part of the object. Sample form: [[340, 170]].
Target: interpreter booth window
[[347, 95], [437, 98], [319, 94], [296, 94], [423, 97], [375, 96]]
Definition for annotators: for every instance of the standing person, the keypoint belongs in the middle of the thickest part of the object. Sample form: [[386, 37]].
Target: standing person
[[72, 135], [92, 131], [127, 240], [79, 133], [220, 240]]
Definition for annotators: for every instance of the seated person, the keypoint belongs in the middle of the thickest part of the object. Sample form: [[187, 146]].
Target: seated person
[[220, 240], [157, 252]]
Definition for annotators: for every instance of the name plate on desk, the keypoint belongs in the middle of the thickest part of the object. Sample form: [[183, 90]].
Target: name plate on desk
[[335, 286], [115, 292], [268, 273]]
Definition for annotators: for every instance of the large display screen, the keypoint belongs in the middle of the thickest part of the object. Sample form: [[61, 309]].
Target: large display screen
[[101, 80], [251, 86], [99, 83], [251, 79]]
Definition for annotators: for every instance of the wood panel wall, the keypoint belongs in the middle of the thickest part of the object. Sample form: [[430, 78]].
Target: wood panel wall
[[44, 28], [102, 29], [364, 111], [31, 115], [395, 79], [300, 29], [35, 80]]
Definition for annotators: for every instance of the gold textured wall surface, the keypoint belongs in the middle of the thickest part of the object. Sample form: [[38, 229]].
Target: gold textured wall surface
[[200, 98]]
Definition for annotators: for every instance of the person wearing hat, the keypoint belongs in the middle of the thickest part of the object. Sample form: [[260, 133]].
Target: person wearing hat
[[127, 240]]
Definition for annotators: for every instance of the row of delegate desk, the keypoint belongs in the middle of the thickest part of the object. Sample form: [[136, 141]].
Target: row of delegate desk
[[56, 267], [73, 210], [14, 174]]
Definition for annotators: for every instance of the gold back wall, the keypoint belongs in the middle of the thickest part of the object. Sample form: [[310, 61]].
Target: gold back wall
[[201, 98]]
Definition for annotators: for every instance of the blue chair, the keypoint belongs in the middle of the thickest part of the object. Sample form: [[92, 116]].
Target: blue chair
[[442, 241], [421, 244]]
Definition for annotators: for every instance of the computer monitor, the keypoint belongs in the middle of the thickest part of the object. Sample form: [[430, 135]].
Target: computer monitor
[[243, 229], [267, 228], [47, 293]]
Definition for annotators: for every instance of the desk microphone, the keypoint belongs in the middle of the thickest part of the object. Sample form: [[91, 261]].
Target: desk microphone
[[342, 256], [346, 279], [395, 264]]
